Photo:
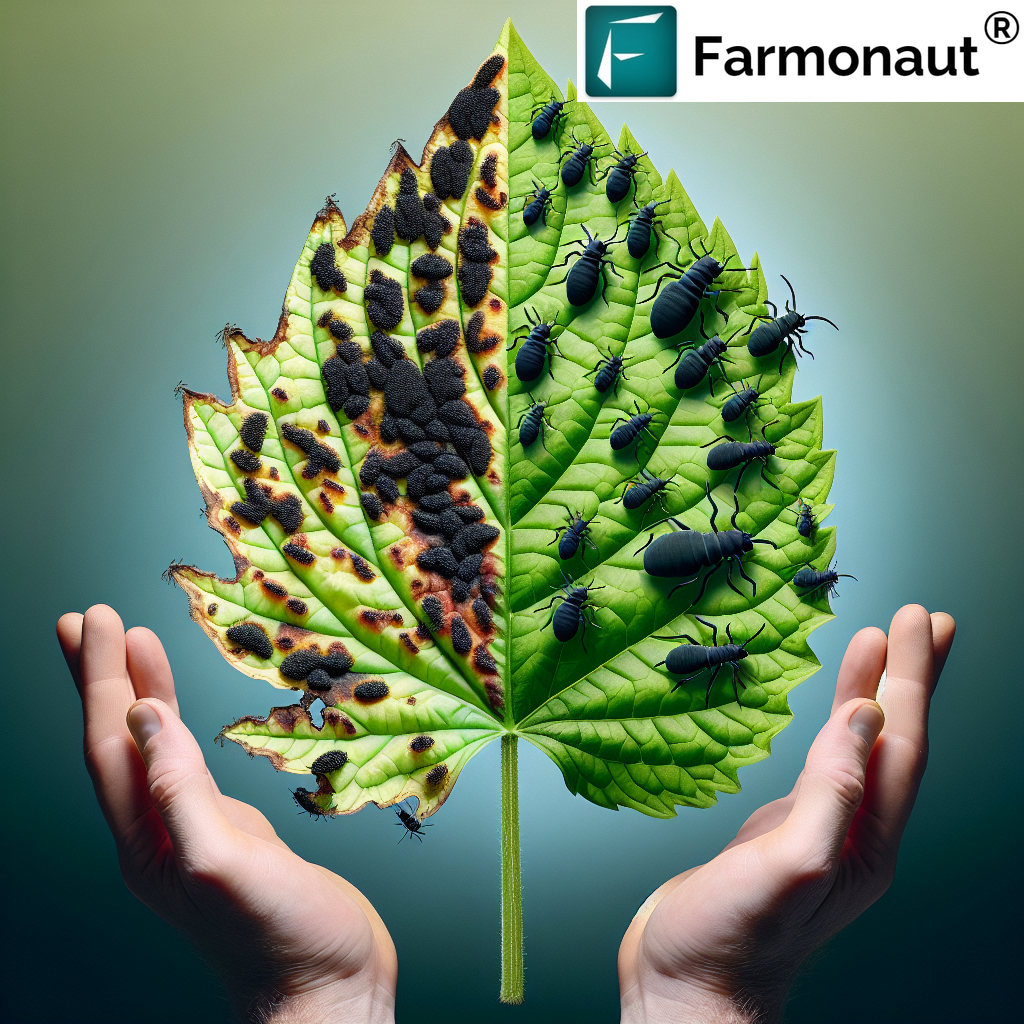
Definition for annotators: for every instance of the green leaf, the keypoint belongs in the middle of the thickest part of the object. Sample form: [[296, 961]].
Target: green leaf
[[344, 589]]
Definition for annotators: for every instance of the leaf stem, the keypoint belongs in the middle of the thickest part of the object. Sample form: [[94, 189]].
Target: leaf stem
[[512, 983]]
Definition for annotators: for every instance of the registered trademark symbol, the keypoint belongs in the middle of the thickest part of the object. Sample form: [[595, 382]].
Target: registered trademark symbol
[[1001, 27]]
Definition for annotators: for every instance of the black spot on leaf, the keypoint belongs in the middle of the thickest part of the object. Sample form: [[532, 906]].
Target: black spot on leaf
[[436, 502], [450, 168], [421, 743], [483, 660], [371, 505], [439, 560], [383, 233], [462, 639], [491, 377], [332, 761], [299, 664], [301, 555], [476, 340], [432, 267], [435, 223], [434, 611], [384, 303], [473, 538], [437, 776], [371, 691], [441, 337], [252, 638], [254, 430], [470, 112], [409, 213], [387, 488], [482, 611], [325, 270], [246, 461], [319, 456]]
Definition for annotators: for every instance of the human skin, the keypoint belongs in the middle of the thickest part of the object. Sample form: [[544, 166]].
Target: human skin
[[721, 942], [718, 944], [291, 940]]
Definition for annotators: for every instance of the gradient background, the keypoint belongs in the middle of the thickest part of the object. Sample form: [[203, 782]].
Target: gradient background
[[161, 166]]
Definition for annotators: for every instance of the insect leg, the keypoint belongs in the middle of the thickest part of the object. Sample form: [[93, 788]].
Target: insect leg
[[707, 696], [737, 677], [714, 507], [714, 630], [679, 636], [740, 477], [753, 585], [728, 579]]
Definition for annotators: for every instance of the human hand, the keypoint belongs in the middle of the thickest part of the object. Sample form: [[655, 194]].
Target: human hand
[[291, 940], [722, 942]]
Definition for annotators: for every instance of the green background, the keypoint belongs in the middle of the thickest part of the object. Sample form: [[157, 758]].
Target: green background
[[161, 166]]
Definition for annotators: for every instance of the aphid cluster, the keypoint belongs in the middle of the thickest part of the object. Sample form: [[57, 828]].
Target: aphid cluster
[[683, 291]]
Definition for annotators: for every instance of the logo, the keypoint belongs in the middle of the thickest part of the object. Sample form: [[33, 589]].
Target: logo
[[1001, 27], [630, 51]]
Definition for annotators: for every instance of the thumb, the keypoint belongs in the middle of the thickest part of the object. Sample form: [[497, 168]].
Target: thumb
[[831, 787], [181, 788]]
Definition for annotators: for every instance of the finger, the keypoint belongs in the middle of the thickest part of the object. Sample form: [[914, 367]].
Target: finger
[[943, 632], [862, 667], [110, 755], [811, 839], [916, 656], [148, 668], [106, 690], [180, 786], [69, 636], [909, 675]]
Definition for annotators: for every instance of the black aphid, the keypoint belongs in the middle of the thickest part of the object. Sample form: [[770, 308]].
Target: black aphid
[[640, 488], [547, 115], [686, 552], [412, 825], [677, 305], [305, 799], [735, 453], [579, 162], [638, 238], [786, 328], [251, 637], [581, 281], [699, 658], [530, 358], [805, 523], [814, 582], [326, 271], [622, 175], [695, 365], [538, 206], [575, 536], [628, 429], [531, 424], [608, 371], [566, 618]]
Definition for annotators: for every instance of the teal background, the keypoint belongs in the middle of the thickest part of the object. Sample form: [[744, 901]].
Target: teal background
[[161, 164]]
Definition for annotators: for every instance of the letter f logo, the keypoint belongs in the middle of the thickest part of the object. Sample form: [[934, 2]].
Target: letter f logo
[[630, 51]]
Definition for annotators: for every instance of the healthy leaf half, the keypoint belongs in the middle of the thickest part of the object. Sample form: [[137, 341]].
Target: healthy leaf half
[[396, 541]]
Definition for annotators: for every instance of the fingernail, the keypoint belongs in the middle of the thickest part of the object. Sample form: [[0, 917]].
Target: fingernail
[[143, 724], [867, 721]]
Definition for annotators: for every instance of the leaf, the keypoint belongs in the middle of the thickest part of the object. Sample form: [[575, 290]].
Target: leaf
[[425, 630]]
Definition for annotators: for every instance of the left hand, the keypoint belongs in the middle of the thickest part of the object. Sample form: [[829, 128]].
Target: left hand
[[291, 940]]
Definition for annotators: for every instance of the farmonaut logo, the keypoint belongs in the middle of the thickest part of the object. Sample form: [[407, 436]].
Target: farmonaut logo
[[630, 51]]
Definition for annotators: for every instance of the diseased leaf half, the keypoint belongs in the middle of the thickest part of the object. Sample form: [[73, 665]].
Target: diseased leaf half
[[397, 500]]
